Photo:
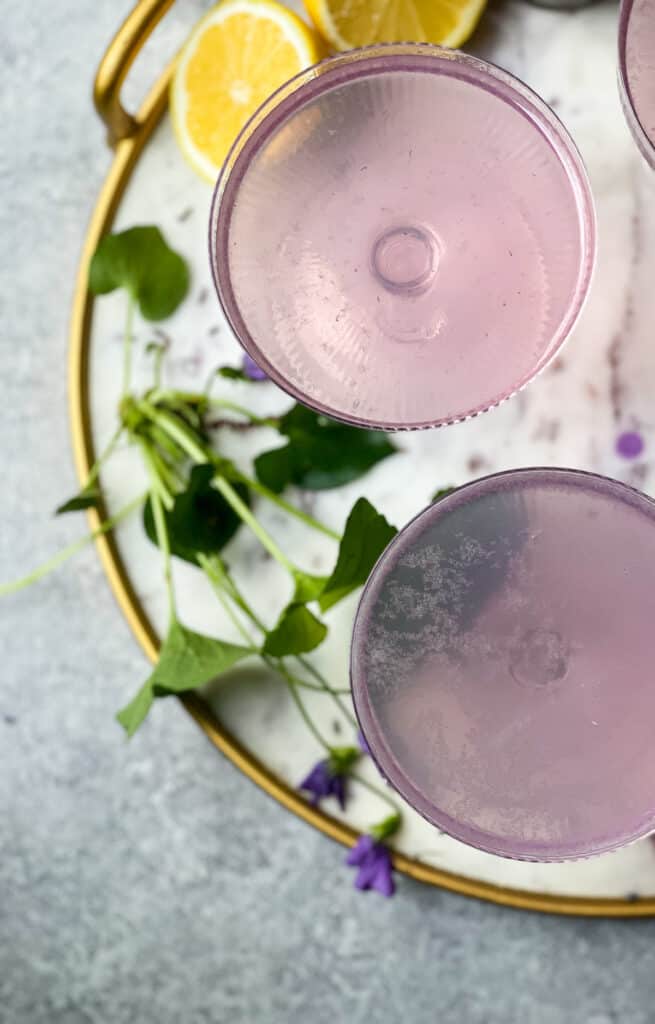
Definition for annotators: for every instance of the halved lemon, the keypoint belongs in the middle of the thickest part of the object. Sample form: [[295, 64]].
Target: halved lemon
[[237, 55], [346, 24]]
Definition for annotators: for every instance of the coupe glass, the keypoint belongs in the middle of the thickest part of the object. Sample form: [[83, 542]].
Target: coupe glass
[[637, 72], [502, 664], [402, 236]]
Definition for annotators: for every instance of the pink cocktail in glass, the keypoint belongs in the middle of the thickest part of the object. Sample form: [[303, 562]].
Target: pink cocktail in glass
[[402, 236], [637, 71], [503, 664]]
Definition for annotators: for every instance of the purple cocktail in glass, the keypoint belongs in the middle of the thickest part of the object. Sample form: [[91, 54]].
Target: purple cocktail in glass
[[402, 236], [637, 71], [503, 664]]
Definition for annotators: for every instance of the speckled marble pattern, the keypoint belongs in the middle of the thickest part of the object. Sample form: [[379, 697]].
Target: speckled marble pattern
[[153, 883]]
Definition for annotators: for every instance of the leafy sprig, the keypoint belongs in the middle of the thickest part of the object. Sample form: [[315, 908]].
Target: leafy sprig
[[197, 500]]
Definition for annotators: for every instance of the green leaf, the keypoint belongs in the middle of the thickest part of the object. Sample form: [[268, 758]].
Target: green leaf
[[201, 521], [365, 537], [88, 497], [296, 632], [232, 373], [442, 493], [140, 261], [187, 660], [308, 587], [134, 713], [320, 453]]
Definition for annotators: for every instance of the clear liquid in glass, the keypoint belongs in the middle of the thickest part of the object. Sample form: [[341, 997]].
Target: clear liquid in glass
[[503, 664]]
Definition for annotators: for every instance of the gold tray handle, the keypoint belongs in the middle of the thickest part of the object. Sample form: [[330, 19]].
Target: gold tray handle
[[116, 63]]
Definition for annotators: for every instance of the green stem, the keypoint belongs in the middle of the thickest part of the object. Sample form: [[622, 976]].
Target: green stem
[[325, 686], [375, 789], [127, 345], [158, 352], [315, 687], [101, 460], [195, 398], [244, 513], [72, 549], [164, 545], [185, 438], [165, 395], [209, 383], [304, 714], [216, 579], [224, 403], [160, 499], [158, 485], [304, 517], [169, 475], [322, 686], [166, 443], [230, 586], [178, 431]]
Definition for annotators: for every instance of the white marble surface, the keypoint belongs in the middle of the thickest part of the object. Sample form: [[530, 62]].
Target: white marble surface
[[153, 883]]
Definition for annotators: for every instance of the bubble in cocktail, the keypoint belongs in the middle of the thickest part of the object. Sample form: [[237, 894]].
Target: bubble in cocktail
[[503, 664], [403, 236], [637, 71]]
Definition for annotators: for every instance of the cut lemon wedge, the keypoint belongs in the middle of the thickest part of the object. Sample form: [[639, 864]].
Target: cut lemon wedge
[[237, 55], [346, 24]]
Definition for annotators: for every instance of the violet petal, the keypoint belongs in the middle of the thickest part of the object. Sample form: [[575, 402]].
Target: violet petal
[[367, 872], [318, 781], [360, 851], [339, 790], [383, 881], [251, 368]]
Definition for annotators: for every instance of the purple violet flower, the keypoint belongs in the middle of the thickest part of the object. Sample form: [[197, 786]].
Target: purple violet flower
[[630, 444], [373, 861], [328, 777], [251, 369], [322, 781]]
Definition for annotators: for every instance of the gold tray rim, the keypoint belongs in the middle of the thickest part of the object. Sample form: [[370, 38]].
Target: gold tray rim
[[126, 156]]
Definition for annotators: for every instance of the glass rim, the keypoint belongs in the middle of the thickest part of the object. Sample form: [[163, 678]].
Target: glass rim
[[292, 95], [645, 145], [381, 754]]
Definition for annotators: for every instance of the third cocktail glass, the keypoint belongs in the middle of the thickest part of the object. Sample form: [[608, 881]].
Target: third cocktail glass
[[637, 71]]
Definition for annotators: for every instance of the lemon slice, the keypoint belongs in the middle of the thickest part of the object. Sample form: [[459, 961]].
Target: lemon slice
[[237, 55], [350, 23]]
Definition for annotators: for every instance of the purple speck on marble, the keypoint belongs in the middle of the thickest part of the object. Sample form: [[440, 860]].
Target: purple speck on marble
[[630, 444], [361, 741]]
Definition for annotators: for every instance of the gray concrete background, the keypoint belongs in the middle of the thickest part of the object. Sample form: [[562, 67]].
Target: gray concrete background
[[151, 882]]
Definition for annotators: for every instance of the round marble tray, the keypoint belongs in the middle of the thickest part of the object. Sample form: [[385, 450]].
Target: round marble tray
[[601, 385]]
